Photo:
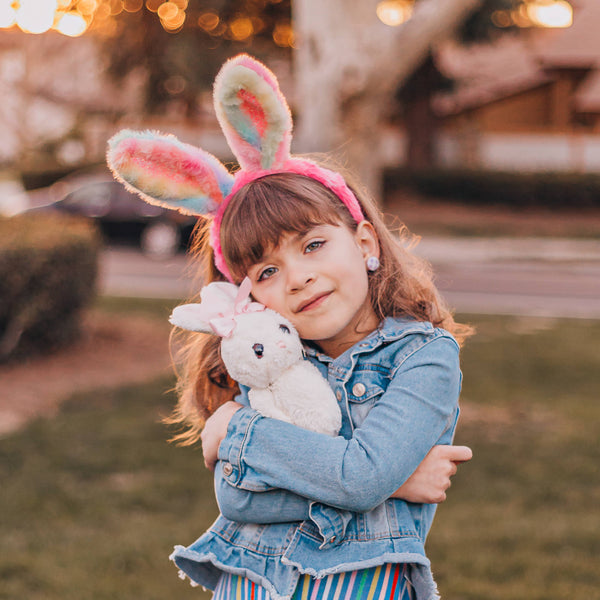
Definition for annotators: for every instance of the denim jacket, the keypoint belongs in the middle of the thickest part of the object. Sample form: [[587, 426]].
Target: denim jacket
[[293, 501]]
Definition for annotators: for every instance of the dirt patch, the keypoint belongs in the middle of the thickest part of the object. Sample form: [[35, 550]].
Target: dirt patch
[[113, 351]]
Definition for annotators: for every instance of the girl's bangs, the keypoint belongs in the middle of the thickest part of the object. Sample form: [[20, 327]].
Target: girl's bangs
[[259, 214]]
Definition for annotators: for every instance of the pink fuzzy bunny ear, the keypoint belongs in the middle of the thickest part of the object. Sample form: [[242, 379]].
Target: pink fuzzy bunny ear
[[167, 172], [253, 114]]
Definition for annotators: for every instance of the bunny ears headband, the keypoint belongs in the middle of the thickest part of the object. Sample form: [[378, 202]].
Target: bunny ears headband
[[257, 124]]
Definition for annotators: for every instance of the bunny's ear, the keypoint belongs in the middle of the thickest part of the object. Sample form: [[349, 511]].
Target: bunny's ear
[[167, 172], [190, 317], [216, 312], [253, 114]]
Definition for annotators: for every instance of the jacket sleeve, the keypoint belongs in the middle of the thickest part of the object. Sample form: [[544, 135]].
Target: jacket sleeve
[[245, 506], [273, 506], [419, 405]]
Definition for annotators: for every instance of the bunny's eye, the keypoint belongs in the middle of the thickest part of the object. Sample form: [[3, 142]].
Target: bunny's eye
[[259, 350], [284, 328]]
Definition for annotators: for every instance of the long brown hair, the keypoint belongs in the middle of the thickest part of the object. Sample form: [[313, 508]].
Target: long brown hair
[[255, 219]]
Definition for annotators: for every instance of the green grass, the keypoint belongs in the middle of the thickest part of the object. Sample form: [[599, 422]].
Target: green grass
[[93, 500], [153, 307], [522, 519]]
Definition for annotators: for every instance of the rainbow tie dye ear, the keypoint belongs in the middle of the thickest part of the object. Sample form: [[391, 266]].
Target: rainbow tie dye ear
[[256, 121], [167, 172], [253, 114]]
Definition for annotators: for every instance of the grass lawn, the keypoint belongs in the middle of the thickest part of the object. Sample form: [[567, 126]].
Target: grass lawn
[[93, 500]]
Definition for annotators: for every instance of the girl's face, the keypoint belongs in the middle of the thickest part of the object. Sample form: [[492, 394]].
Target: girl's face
[[318, 280]]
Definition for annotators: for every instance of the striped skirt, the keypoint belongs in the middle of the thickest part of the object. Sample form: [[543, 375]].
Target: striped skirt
[[386, 582]]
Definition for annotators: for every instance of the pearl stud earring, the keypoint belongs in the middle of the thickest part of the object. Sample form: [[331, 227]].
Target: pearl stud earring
[[373, 263]]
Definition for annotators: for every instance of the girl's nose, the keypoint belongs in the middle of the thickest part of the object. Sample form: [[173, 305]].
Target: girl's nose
[[298, 279]]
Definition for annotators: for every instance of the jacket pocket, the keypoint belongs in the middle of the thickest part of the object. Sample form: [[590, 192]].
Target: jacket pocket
[[363, 391]]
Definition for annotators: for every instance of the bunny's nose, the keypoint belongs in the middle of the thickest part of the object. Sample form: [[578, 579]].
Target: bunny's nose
[[281, 344]]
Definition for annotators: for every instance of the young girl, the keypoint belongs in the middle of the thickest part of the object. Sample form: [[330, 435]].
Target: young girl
[[304, 514]]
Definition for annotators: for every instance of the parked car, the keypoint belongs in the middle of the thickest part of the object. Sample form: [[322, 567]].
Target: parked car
[[122, 215]]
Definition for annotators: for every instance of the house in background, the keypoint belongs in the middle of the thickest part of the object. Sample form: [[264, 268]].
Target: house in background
[[529, 102]]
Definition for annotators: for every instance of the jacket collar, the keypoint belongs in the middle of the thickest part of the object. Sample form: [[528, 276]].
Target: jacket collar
[[389, 330]]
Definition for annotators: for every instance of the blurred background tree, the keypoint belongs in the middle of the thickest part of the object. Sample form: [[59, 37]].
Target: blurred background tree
[[351, 59], [180, 60]]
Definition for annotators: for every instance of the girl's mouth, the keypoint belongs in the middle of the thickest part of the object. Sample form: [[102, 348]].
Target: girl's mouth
[[314, 302]]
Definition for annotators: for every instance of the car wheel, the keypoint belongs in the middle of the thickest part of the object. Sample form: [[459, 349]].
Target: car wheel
[[160, 240]]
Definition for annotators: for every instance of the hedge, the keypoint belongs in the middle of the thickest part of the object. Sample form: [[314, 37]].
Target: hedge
[[48, 270], [552, 190]]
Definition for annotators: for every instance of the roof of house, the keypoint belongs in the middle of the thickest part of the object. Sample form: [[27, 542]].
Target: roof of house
[[523, 61]]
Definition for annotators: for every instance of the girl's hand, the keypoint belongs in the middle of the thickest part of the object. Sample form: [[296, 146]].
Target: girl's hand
[[215, 430], [428, 484]]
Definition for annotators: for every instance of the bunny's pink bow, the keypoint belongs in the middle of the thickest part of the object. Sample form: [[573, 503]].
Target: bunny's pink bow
[[222, 316]]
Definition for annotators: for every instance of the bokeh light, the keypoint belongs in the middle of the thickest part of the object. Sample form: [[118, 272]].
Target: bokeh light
[[133, 5], [172, 15], [394, 12], [87, 7], [209, 20], [283, 35], [72, 24], [116, 7], [36, 16], [175, 84], [76, 17], [8, 15], [152, 5], [502, 18], [167, 10], [550, 13], [241, 29]]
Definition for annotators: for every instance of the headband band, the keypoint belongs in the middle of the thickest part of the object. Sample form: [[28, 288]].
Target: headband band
[[257, 124]]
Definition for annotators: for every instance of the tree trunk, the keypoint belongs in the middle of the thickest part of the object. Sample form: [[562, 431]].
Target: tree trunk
[[348, 65], [420, 122]]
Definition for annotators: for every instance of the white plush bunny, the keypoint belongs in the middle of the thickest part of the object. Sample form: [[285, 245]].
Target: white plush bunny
[[262, 350]]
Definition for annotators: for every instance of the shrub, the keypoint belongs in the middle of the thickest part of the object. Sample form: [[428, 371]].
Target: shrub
[[48, 268], [551, 190]]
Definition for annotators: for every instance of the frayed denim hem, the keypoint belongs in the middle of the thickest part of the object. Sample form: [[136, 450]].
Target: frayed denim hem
[[207, 570]]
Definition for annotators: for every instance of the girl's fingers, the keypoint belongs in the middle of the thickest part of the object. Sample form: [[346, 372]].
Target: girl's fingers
[[459, 454]]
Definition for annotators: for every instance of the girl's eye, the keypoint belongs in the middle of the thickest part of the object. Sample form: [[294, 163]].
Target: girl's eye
[[284, 328], [266, 273], [314, 246]]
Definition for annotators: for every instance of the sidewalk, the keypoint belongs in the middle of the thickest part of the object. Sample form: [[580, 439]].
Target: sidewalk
[[473, 249], [540, 277], [520, 276]]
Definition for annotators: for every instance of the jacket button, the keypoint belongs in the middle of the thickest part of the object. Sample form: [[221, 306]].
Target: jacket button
[[359, 389], [338, 395], [227, 469]]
